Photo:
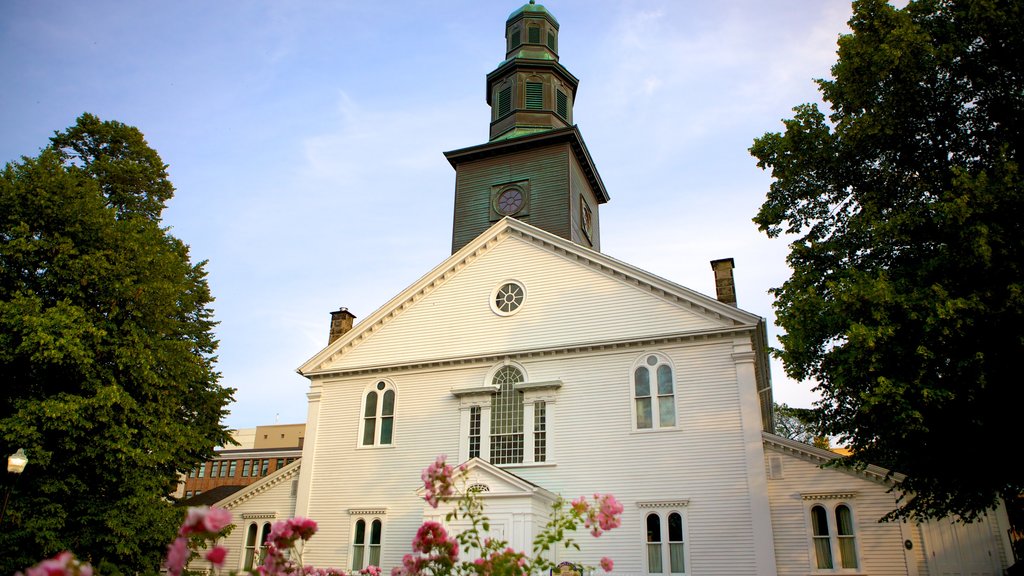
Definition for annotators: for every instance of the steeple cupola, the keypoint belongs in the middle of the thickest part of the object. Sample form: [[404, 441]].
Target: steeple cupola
[[530, 91], [534, 166]]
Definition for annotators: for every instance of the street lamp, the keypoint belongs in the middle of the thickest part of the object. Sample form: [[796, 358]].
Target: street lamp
[[15, 465]]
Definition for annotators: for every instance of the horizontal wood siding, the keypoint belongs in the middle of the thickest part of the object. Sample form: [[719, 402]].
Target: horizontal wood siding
[[579, 186], [546, 169], [593, 448], [880, 545], [566, 303]]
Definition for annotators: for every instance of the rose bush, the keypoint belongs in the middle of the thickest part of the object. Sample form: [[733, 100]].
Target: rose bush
[[434, 551]]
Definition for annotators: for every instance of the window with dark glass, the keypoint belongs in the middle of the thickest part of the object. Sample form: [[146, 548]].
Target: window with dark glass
[[379, 415], [654, 402], [540, 432], [474, 432], [233, 467], [366, 551], [534, 35]]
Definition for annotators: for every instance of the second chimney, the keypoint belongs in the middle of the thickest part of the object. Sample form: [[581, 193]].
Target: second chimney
[[725, 286], [341, 322]]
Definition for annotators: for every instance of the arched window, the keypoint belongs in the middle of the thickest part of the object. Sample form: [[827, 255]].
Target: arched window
[[378, 423], [507, 417], [250, 548], [654, 401], [366, 547], [665, 543], [833, 535]]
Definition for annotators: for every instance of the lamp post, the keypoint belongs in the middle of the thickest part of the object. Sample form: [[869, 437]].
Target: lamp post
[[15, 465]]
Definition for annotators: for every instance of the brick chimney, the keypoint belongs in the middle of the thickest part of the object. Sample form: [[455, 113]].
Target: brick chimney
[[724, 283], [341, 322]]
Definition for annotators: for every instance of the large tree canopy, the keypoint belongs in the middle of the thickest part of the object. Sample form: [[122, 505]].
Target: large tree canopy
[[106, 352], [906, 300]]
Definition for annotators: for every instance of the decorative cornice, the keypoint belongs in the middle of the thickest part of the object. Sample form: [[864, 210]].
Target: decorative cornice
[[259, 515], [536, 353], [531, 386], [682, 503], [378, 511], [828, 495], [474, 390]]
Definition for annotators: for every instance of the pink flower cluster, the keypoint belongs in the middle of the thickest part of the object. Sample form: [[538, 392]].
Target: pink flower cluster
[[283, 536], [439, 481], [200, 521], [507, 561], [63, 564], [603, 515], [432, 548]]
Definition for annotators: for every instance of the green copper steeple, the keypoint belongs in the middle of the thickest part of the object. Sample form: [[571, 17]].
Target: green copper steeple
[[530, 91], [534, 166]]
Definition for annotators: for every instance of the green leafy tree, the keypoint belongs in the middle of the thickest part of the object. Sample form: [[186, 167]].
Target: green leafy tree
[[906, 300], [106, 352], [799, 424]]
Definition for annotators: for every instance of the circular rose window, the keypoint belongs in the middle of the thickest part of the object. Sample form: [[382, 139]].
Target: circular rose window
[[507, 298]]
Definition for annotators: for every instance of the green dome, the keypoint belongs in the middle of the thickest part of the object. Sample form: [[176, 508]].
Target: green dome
[[533, 8]]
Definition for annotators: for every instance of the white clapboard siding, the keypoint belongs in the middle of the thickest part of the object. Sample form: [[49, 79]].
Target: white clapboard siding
[[567, 303], [879, 544], [593, 449]]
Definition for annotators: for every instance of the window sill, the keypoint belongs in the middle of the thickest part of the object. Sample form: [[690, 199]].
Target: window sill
[[528, 465]]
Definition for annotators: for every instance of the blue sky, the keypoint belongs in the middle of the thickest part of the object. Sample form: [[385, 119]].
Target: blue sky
[[305, 141]]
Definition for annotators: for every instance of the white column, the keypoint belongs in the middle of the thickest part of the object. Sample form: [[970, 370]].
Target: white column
[[757, 479]]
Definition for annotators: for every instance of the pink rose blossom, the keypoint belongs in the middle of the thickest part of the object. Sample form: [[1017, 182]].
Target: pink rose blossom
[[201, 519], [63, 564], [438, 481], [607, 564], [177, 555], [372, 571], [216, 555]]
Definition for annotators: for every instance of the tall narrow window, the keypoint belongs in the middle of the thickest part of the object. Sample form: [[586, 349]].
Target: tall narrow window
[[233, 468], [515, 39], [378, 415], [359, 544], [654, 403], [654, 544], [202, 470], [250, 548], [562, 104], [534, 35], [819, 531], [551, 40], [507, 418], [265, 468], [246, 466], [540, 432], [845, 539], [264, 541], [474, 432], [375, 530], [534, 96], [676, 560]]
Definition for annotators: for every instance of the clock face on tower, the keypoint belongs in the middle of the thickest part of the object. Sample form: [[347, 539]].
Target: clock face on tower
[[509, 201]]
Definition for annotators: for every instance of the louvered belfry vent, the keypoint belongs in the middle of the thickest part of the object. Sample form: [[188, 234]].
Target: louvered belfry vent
[[534, 96], [562, 104], [504, 101], [534, 35]]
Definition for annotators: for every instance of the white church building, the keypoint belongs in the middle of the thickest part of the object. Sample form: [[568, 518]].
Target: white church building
[[553, 369]]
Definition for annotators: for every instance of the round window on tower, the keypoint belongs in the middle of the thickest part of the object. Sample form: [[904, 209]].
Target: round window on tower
[[507, 298], [509, 201]]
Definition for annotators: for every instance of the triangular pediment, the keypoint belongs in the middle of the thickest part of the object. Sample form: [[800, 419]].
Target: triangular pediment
[[576, 298], [488, 480]]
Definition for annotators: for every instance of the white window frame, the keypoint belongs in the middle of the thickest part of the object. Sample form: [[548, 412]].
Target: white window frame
[[831, 503], [365, 549], [662, 510], [480, 397], [663, 359], [378, 417]]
